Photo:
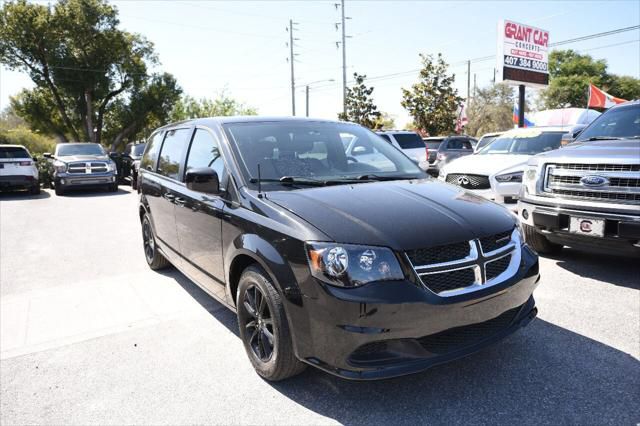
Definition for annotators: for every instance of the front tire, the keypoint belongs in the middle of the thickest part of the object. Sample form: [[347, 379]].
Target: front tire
[[59, 189], [264, 328], [539, 242], [154, 258]]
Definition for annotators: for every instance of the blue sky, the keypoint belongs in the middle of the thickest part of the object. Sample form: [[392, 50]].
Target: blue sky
[[239, 46]]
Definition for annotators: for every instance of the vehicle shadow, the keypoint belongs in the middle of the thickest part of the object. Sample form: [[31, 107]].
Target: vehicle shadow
[[23, 195], [88, 193], [620, 271], [540, 375]]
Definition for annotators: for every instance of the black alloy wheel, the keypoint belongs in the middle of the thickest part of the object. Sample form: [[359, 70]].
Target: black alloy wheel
[[259, 325], [154, 258]]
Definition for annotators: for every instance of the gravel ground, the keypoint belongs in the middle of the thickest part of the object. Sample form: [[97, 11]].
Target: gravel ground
[[89, 335]]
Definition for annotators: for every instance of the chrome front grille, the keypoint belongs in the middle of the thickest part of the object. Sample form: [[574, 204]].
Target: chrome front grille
[[467, 266], [87, 167], [469, 181], [595, 182]]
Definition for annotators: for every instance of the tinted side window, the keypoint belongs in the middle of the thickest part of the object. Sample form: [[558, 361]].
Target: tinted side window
[[385, 137], [171, 153], [458, 143], [205, 152], [13, 152], [150, 157]]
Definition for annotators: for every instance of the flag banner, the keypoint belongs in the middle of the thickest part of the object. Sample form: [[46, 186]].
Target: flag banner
[[601, 99], [527, 122]]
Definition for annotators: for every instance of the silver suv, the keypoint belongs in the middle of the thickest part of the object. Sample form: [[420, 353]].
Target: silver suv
[[408, 142], [587, 193]]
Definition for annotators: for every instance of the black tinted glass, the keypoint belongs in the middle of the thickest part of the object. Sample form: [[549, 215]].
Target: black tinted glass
[[64, 150], [385, 137], [171, 153], [205, 152], [618, 123], [409, 140], [138, 149], [13, 152], [150, 157]]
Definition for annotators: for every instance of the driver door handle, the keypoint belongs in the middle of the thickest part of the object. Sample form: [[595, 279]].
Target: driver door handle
[[169, 197]]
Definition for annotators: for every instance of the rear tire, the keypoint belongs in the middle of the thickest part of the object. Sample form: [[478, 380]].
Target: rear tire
[[154, 258], [264, 328], [35, 189], [113, 187], [539, 242]]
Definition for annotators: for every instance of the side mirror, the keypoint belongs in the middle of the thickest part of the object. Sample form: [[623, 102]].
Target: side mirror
[[47, 155], [359, 150], [203, 179]]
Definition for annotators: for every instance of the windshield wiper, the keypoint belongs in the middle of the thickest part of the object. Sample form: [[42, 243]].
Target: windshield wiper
[[293, 180], [369, 177], [599, 138]]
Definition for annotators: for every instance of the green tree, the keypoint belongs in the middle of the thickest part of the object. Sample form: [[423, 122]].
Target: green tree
[[433, 102], [82, 65], [570, 74], [222, 106], [360, 106], [491, 110], [385, 121]]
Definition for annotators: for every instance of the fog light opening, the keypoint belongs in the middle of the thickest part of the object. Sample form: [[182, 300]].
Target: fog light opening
[[525, 214], [62, 181]]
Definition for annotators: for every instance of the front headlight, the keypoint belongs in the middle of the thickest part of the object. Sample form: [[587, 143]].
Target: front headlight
[[113, 167], [510, 177], [59, 166], [529, 179], [347, 265]]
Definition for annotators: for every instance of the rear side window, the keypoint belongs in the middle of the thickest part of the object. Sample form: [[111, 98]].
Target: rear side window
[[205, 152], [385, 137], [13, 152], [150, 157], [433, 145], [409, 140], [170, 158]]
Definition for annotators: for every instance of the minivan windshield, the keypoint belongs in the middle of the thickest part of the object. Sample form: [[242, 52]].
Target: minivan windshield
[[316, 152], [621, 122], [528, 142], [64, 150]]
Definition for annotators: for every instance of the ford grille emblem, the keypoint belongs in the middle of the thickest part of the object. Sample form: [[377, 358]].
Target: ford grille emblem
[[592, 180]]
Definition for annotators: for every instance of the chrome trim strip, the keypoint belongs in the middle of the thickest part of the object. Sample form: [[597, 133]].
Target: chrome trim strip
[[473, 255]]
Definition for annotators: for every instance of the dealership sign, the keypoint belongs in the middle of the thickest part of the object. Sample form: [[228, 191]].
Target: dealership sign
[[522, 54]]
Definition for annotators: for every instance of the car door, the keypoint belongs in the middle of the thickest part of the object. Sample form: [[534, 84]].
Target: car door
[[199, 217], [163, 186]]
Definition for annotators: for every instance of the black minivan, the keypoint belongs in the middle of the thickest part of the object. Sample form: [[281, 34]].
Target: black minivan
[[364, 267]]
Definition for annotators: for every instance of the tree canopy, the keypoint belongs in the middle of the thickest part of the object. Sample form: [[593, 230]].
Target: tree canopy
[[91, 78], [360, 106], [570, 74], [491, 110], [188, 107], [433, 102]]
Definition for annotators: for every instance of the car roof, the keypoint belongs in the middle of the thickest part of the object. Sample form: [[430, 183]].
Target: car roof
[[487, 135], [213, 121], [543, 129], [76, 143], [395, 131], [12, 146], [632, 103]]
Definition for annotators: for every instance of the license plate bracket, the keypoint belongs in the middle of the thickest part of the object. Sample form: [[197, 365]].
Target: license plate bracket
[[587, 226]]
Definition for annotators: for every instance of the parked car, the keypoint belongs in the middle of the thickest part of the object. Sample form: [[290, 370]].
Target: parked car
[[130, 160], [486, 139], [362, 272], [495, 172], [449, 148], [82, 165], [409, 142], [587, 194], [18, 169]]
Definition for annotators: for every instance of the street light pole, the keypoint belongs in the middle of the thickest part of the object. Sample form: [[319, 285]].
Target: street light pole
[[306, 91]]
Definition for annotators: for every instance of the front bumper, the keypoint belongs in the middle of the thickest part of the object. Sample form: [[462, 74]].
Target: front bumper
[[505, 190], [390, 329], [68, 180], [18, 182], [622, 231]]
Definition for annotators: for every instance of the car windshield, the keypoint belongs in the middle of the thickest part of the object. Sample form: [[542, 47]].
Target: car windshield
[[317, 152], [485, 140], [622, 122], [138, 150], [64, 150], [13, 152], [409, 140], [528, 142]]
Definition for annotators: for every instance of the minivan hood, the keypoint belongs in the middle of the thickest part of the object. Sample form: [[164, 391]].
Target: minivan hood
[[486, 164], [403, 215], [71, 158]]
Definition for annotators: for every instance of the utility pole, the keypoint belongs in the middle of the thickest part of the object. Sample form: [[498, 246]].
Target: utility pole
[[291, 60], [475, 87], [306, 92], [344, 55], [468, 81]]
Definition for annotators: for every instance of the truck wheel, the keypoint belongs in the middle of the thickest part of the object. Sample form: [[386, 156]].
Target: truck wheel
[[155, 259], [35, 189], [264, 328], [59, 189], [539, 242], [113, 187]]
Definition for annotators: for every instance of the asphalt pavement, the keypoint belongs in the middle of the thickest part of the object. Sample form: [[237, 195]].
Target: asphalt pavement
[[90, 335]]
